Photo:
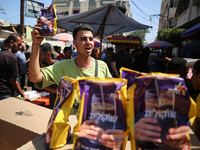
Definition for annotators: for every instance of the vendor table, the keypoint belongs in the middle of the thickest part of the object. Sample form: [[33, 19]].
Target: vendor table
[[43, 101]]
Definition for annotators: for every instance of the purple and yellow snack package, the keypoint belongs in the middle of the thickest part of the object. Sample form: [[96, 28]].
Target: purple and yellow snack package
[[48, 18], [58, 128], [163, 97], [130, 75], [101, 119]]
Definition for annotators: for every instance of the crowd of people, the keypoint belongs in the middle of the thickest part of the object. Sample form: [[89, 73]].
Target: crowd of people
[[45, 66]]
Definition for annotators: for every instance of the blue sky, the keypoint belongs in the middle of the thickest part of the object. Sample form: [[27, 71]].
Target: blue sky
[[143, 11]]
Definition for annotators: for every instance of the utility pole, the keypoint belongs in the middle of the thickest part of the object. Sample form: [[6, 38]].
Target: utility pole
[[22, 18]]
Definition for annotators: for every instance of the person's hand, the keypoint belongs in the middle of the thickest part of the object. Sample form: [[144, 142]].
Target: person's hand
[[25, 98], [89, 130], [37, 40], [177, 137], [112, 139], [145, 130]]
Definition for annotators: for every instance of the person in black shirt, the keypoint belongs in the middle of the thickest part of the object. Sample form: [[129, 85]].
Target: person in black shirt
[[9, 67], [107, 59], [120, 59]]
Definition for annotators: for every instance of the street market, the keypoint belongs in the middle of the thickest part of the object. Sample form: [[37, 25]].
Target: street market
[[85, 75]]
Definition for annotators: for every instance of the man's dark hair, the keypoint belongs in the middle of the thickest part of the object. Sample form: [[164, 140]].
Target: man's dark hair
[[13, 37], [85, 27], [47, 47], [146, 51], [110, 49], [175, 64], [55, 48], [197, 67], [67, 48]]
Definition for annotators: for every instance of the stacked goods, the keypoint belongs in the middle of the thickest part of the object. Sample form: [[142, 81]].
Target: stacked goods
[[111, 110]]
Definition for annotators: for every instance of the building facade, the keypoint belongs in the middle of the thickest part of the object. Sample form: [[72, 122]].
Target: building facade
[[69, 7], [187, 13], [167, 14]]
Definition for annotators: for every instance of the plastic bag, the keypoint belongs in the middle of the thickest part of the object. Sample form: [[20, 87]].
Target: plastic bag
[[48, 18], [102, 108], [165, 98], [130, 75], [58, 128]]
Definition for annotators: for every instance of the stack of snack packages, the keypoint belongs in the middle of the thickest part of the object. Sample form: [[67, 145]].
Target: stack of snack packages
[[113, 106], [157, 95]]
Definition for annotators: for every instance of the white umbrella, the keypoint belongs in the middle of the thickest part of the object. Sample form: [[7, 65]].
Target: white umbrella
[[65, 37]]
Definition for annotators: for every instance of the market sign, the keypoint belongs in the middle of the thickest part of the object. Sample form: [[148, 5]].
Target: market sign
[[33, 8]]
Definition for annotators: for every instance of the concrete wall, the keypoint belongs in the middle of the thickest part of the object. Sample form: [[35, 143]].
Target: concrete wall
[[189, 14]]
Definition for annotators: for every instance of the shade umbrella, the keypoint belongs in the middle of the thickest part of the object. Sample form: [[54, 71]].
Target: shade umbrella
[[105, 20], [159, 44], [191, 48], [193, 32], [65, 37]]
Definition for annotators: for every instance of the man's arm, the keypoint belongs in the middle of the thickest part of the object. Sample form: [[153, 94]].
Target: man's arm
[[114, 70], [35, 75], [17, 87]]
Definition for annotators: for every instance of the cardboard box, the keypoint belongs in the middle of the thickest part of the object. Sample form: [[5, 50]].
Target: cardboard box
[[20, 122], [39, 142]]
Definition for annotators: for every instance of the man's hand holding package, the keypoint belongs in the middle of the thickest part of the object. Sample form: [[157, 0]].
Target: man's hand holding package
[[36, 40], [112, 139], [145, 131], [177, 137], [89, 130]]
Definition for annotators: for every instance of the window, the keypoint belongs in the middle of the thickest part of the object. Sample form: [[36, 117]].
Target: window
[[172, 22], [76, 11]]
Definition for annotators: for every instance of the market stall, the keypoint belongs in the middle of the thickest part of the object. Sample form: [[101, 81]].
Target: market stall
[[129, 41]]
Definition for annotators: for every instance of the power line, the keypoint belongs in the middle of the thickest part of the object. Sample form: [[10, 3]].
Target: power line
[[148, 6], [149, 16], [160, 20], [139, 9], [139, 15], [152, 28]]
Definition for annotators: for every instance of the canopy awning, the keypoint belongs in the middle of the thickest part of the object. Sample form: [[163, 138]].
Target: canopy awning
[[122, 39]]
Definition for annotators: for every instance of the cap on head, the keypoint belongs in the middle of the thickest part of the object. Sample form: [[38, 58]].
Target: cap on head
[[46, 47]]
